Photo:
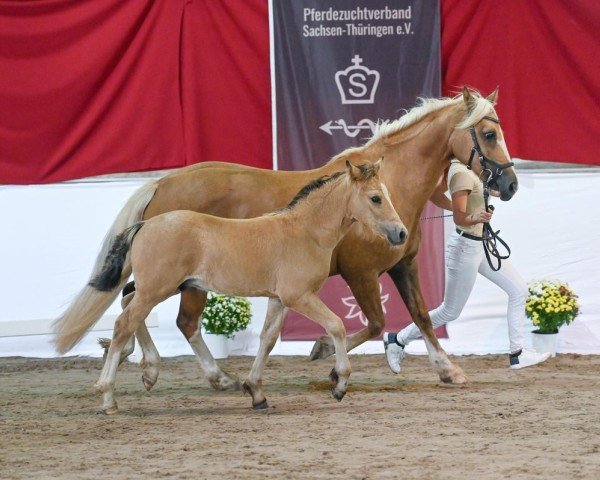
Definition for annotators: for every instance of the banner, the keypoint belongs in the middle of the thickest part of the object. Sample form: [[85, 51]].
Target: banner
[[338, 68]]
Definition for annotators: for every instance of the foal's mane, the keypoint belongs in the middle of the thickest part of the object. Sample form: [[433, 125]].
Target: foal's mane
[[480, 108], [310, 187], [367, 170]]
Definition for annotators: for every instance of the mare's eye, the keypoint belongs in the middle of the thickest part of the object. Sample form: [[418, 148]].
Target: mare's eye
[[376, 199], [489, 135]]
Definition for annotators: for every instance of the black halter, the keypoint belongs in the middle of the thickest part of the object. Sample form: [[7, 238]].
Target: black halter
[[494, 168], [490, 239]]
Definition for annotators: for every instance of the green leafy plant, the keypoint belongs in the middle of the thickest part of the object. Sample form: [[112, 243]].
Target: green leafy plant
[[225, 315], [551, 304]]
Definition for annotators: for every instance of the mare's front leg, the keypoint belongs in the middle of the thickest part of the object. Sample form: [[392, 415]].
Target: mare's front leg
[[313, 307], [365, 288], [268, 336], [191, 307], [406, 278]]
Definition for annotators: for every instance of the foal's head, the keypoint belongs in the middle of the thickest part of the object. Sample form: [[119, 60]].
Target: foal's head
[[479, 143], [370, 203]]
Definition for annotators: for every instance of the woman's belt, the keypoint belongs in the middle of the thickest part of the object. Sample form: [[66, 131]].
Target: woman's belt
[[468, 235]]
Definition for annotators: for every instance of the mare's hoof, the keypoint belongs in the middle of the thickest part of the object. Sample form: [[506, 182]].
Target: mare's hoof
[[261, 405], [147, 382], [322, 349]]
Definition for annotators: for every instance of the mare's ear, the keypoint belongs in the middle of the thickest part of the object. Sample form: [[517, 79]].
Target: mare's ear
[[493, 97], [467, 97], [353, 171]]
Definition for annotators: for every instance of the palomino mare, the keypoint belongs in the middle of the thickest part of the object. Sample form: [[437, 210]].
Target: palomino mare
[[417, 147], [284, 256]]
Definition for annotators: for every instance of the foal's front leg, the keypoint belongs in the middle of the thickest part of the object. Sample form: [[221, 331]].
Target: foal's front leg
[[313, 307], [268, 336], [191, 307], [365, 288]]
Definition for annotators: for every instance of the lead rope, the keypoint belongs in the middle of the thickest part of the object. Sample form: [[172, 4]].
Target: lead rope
[[491, 239]]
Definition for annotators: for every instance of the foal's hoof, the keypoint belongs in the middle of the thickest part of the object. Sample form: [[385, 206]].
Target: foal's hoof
[[337, 394], [225, 383], [147, 382], [454, 376], [322, 348], [335, 378], [260, 405], [109, 411]]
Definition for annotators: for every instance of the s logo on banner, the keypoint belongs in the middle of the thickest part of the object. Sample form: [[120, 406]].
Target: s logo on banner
[[357, 84]]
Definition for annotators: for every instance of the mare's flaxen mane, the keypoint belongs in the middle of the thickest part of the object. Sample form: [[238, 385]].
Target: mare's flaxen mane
[[480, 108]]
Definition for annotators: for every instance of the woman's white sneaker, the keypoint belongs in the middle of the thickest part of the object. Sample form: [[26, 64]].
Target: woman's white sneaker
[[393, 352], [526, 358]]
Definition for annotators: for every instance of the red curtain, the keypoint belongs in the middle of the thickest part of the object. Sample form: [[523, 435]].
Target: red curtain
[[104, 86], [93, 87], [544, 56]]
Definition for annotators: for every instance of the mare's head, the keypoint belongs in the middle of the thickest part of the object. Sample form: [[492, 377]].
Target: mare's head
[[370, 203], [478, 142]]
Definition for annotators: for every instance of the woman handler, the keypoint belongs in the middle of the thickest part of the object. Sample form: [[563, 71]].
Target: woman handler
[[464, 259]]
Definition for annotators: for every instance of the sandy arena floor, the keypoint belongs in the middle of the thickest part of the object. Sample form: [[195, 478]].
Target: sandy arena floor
[[540, 422]]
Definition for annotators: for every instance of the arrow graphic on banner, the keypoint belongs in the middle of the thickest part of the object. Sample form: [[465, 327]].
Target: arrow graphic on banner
[[349, 130]]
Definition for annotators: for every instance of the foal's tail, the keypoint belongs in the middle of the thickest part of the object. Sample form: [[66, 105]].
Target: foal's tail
[[90, 303], [112, 273]]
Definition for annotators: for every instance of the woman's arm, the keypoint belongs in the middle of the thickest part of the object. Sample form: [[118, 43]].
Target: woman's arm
[[459, 211], [439, 198]]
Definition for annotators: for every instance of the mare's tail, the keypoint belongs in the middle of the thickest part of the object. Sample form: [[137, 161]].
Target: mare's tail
[[90, 303]]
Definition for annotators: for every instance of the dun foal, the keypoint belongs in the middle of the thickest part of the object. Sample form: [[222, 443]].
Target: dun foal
[[285, 255]]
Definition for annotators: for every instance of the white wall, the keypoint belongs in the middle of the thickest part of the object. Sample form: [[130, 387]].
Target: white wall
[[51, 234]]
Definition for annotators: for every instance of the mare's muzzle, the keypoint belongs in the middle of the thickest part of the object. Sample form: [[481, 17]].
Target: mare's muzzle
[[506, 184], [396, 233]]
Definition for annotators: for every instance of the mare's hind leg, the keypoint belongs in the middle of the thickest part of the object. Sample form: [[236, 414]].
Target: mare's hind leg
[[268, 337], [406, 277], [313, 307], [133, 315], [365, 289], [188, 320]]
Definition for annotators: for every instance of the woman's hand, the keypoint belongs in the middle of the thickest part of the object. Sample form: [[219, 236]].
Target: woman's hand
[[480, 217]]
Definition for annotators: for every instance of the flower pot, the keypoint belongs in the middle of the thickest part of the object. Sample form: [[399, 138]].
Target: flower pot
[[217, 344], [544, 342]]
